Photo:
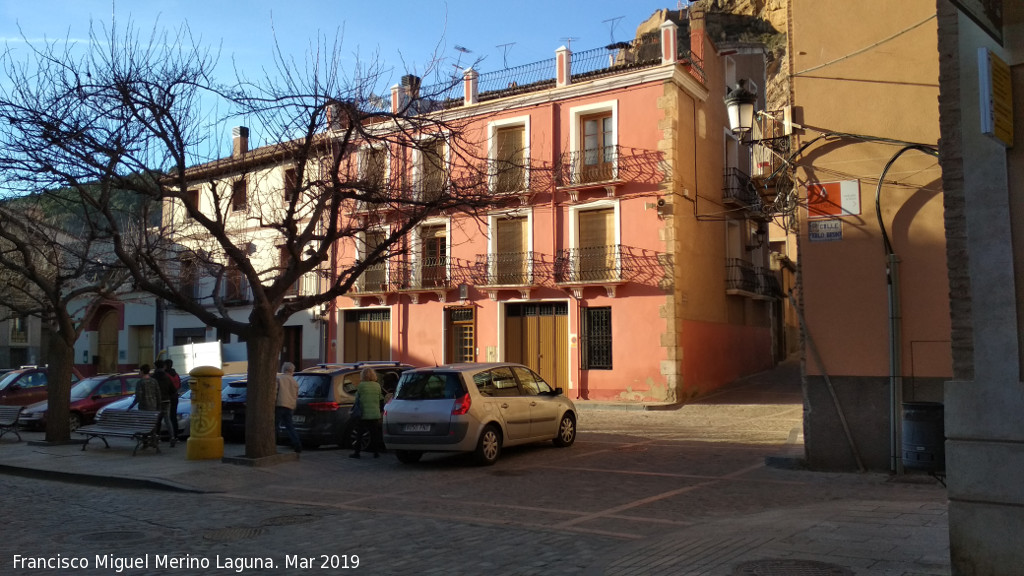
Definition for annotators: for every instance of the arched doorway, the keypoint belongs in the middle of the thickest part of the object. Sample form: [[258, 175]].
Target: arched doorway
[[106, 362]]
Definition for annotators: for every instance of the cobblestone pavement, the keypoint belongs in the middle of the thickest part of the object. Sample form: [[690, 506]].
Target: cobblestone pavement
[[682, 491]]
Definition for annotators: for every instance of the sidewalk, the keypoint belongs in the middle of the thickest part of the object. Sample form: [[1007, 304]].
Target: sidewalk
[[723, 512]]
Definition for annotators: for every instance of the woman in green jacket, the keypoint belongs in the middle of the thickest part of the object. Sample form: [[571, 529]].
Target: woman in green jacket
[[369, 395]]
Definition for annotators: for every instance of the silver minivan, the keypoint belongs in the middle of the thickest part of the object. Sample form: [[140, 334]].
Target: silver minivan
[[476, 408]]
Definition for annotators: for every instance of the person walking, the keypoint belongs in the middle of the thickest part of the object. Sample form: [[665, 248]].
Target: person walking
[[368, 394], [168, 400], [173, 374], [287, 397], [147, 392]]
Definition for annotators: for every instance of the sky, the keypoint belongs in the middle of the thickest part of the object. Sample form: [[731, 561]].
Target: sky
[[403, 36], [403, 33]]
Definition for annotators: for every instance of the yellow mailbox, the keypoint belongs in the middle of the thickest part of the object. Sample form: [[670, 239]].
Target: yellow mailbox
[[205, 441]]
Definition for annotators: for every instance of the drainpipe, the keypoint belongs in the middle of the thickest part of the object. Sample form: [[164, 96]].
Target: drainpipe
[[895, 319]]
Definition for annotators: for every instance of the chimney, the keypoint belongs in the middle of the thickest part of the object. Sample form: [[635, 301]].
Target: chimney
[[411, 86], [697, 33], [240, 137]]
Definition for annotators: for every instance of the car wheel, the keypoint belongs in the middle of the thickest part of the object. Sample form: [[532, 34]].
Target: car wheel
[[566, 431], [408, 456], [488, 448], [74, 421]]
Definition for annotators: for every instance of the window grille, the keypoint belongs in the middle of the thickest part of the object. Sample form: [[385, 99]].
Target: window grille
[[596, 348]]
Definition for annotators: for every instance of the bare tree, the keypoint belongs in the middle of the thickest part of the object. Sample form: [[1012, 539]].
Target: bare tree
[[54, 269], [130, 113]]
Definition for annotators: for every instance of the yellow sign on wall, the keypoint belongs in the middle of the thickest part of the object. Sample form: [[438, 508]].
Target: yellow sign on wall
[[996, 94]]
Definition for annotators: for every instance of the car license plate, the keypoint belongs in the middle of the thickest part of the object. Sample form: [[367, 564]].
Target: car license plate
[[417, 428], [299, 419], [227, 416]]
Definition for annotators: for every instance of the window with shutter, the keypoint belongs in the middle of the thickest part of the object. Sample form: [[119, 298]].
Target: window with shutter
[[510, 159], [597, 245], [375, 277], [433, 169], [511, 253]]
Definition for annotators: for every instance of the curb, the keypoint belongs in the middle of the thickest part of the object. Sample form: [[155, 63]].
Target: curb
[[97, 480]]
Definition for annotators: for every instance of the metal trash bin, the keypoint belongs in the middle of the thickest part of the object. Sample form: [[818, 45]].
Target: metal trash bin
[[924, 436]]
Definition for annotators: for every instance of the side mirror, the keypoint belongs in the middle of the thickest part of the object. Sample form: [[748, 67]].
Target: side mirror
[[14, 387], [559, 391]]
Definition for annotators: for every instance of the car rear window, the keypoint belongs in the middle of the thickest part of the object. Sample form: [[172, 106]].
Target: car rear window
[[430, 386], [312, 385]]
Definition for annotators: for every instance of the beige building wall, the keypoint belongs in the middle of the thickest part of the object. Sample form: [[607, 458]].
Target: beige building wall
[[864, 79]]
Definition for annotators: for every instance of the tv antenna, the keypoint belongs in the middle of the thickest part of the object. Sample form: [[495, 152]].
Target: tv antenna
[[504, 49], [462, 50], [568, 41], [612, 22]]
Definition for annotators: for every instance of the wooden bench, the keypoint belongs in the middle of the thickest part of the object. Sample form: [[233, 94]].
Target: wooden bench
[[141, 425], [9, 420]]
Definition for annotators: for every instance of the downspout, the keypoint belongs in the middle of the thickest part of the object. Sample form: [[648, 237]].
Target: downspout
[[895, 319]]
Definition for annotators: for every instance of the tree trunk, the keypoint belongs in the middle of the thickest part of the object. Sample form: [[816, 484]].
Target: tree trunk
[[264, 349], [58, 387]]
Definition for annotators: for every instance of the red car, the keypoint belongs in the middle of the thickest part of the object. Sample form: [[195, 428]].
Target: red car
[[24, 386], [87, 397]]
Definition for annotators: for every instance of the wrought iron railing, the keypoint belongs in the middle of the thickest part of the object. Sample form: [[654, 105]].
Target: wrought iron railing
[[506, 269], [692, 61], [373, 279], [768, 283], [757, 281], [591, 264], [612, 164], [641, 52], [740, 275], [616, 58], [592, 166], [612, 263], [429, 273], [517, 80], [736, 187], [18, 333]]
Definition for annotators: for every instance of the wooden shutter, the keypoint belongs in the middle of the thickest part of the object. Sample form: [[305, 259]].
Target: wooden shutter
[[510, 159], [597, 244], [511, 251]]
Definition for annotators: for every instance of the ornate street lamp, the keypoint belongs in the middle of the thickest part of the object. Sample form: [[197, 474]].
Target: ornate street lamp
[[741, 105]]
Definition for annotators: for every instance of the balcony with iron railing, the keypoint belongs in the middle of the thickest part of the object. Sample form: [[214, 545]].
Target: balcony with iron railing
[[373, 280], [521, 271], [609, 167], [745, 279], [738, 190], [436, 275], [602, 266], [595, 166]]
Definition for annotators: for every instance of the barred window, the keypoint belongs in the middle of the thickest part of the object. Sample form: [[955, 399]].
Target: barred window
[[596, 348]]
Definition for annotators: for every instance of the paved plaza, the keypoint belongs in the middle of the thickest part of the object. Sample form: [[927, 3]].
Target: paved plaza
[[645, 492]]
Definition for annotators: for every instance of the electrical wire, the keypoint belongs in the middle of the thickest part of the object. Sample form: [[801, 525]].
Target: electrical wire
[[866, 48]]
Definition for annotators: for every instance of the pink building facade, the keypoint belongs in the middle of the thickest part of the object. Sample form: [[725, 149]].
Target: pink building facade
[[622, 257]]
